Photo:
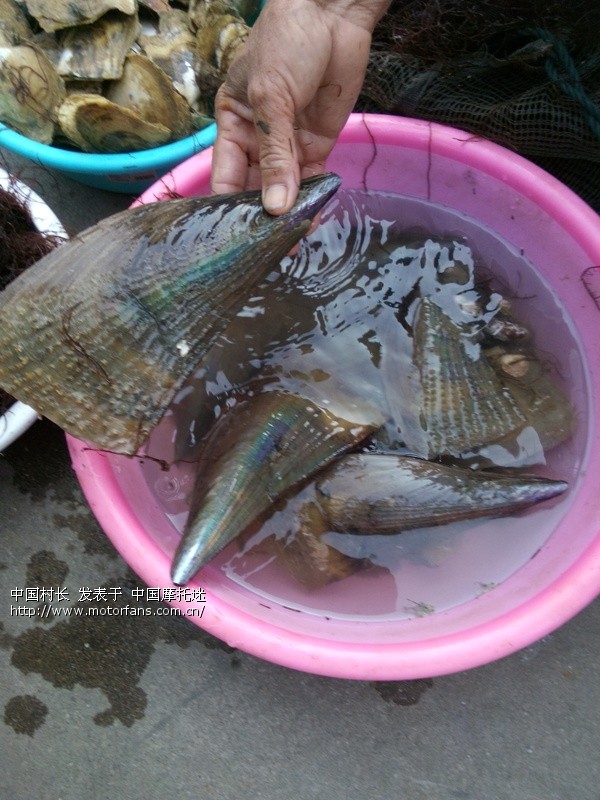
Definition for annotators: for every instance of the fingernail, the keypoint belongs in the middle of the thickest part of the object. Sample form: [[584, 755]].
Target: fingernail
[[275, 197]]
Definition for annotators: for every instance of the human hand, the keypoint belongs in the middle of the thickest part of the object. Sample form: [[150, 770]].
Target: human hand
[[288, 95]]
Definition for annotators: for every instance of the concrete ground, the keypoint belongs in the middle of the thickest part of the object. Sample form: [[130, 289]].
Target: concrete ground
[[96, 709]]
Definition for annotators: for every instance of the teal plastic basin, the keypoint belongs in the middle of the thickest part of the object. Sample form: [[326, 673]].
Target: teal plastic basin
[[129, 173]]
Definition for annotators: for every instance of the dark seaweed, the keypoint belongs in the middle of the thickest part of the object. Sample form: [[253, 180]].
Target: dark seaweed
[[21, 245]]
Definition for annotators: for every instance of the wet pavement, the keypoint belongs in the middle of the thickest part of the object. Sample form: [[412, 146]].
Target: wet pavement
[[104, 707]]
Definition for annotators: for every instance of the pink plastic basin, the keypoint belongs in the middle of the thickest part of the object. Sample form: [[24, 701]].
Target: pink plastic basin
[[560, 236]]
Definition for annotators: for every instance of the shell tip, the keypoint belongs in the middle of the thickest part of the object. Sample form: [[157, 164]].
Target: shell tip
[[314, 193], [182, 570], [552, 489]]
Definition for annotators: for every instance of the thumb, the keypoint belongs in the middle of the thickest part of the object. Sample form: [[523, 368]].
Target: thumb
[[278, 157]]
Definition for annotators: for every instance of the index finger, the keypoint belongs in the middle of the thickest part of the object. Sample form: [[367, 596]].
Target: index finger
[[232, 152]]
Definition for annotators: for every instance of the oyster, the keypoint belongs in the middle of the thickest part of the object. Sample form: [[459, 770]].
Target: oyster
[[208, 78], [242, 9], [220, 32], [100, 334], [253, 455], [13, 24], [97, 51], [230, 39], [96, 125], [53, 15], [199, 11], [49, 44], [246, 9], [31, 91], [541, 400], [173, 49], [307, 556], [158, 6], [147, 91], [504, 328], [84, 87]]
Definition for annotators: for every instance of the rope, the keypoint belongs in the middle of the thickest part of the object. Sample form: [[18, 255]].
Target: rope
[[568, 79]]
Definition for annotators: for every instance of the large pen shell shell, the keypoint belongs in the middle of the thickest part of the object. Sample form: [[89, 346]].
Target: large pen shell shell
[[99, 334], [386, 493], [463, 403], [258, 451]]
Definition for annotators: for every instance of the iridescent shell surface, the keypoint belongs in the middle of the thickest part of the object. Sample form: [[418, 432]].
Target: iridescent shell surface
[[100, 334], [255, 453]]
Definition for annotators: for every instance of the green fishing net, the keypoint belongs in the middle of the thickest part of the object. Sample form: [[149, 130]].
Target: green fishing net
[[523, 74]]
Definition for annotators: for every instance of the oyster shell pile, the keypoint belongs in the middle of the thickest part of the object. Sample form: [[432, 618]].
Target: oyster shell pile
[[115, 76]]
